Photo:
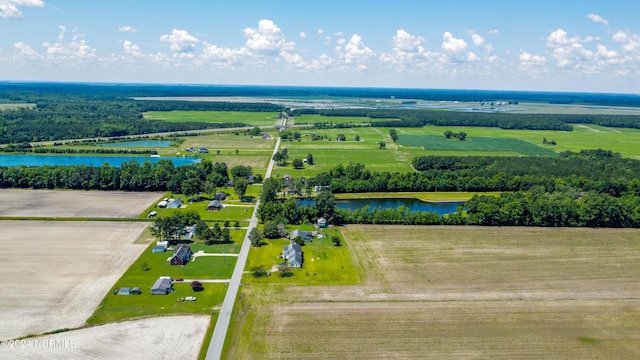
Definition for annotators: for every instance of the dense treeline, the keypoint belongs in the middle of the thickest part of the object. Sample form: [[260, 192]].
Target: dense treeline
[[170, 105], [595, 170], [419, 118], [131, 176], [59, 116]]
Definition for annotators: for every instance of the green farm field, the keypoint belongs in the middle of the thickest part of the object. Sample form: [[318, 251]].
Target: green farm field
[[245, 117], [480, 143], [463, 292]]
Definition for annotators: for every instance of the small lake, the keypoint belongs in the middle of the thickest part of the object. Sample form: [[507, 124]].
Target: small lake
[[140, 143], [61, 160], [386, 203]]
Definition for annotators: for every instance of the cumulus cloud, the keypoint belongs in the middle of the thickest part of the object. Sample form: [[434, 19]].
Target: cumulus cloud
[[302, 35], [74, 50], [212, 54], [598, 19], [630, 42], [354, 50], [26, 52], [127, 29], [451, 44], [493, 32], [568, 52], [408, 52], [181, 42], [11, 8], [267, 37], [132, 49]]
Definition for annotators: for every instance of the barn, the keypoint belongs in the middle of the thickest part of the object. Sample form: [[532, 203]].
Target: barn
[[162, 286]]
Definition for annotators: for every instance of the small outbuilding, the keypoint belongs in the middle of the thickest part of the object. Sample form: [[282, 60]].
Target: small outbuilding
[[175, 204], [322, 223], [162, 286]]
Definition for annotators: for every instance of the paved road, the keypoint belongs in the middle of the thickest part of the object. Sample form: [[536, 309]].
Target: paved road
[[224, 318]]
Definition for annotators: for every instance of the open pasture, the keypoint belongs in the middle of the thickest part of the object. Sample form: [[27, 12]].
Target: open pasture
[[314, 118], [245, 117], [56, 273], [480, 144], [584, 136], [461, 292]]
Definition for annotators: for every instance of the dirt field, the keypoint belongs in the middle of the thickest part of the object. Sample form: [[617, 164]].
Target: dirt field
[[54, 274], [52, 203], [459, 292], [172, 337]]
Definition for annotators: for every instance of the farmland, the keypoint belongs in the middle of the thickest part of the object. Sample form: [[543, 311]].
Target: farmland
[[249, 118], [457, 292], [59, 271]]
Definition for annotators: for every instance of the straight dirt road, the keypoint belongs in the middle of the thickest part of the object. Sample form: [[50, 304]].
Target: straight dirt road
[[224, 318]]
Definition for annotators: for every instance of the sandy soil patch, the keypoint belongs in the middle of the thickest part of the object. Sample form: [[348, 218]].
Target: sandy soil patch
[[55, 273], [52, 203], [172, 337]]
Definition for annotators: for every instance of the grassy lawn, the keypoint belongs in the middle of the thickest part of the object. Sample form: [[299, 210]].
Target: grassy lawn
[[323, 262], [234, 211], [313, 118], [249, 118], [118, 307]]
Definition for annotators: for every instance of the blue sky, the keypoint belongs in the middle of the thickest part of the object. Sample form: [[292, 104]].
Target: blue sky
[[590, 46]]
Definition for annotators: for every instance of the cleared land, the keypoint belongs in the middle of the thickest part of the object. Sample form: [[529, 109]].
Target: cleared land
[[55, 273], [84, 204], [170, 337], [458, 292], [488, 144], [245, 117]]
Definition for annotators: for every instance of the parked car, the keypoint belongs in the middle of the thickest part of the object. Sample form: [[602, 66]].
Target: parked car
[[190, 298], [179, 279]]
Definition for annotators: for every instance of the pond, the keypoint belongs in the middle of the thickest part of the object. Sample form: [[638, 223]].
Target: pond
[[140, 143], [386, 203], [61, 160]]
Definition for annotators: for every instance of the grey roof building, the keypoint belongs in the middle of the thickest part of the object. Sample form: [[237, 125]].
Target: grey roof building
[[305, 235], [293, 254], [162, 286]]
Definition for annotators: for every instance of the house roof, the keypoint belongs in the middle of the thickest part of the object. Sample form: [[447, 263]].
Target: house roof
[[183, 252], [215, 203], [306, 235], [162, 284], [292, 253]]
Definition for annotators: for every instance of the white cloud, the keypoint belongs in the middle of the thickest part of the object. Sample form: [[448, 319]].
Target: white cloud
[[181, 43], [320, 32], [408, 52], [355, 50], [10, 8], [451, 44], [26, 52], [267, 37], [598, 19], [132, 49], [493, 32], [631, 42], [221, 55], [302, 35], [127, 29], [477, 40], [71, 51], [568, 52]]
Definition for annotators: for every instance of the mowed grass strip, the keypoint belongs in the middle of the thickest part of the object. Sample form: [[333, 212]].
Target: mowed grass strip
[[433, 291], [488, 144], [245, 117]]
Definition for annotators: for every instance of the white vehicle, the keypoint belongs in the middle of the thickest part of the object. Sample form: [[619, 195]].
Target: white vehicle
[[190, 298]]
